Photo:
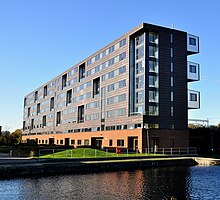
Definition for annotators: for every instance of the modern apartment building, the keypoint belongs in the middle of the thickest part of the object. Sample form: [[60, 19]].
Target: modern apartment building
[[133, 93]]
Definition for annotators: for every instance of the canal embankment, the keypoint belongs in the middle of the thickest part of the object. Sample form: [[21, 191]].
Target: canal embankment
[[23, 167], [10, 168]]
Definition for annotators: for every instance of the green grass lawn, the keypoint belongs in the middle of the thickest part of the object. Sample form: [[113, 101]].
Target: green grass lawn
[[87, 153]]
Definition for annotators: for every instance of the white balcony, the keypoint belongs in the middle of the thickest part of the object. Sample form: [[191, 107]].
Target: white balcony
[[193, 99], [193, 71], [192, 44]]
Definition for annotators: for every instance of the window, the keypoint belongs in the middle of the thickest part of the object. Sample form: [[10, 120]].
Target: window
[[81, 114], [171, 67], [104, 65], [110, 142], [38, 108], [70, 73], [171, 52], [122, 43], [120, 143], [139, 67], [89, 62], [86, 142], [111, 87], [116, 112], [154, 126], [97, 69], [72, 142], [122, 70], [122, 84], [94, 104], [24, 125], [64, 81], [153, 110], [193, 97], [140, 52], [117, 85], [153, 96], [192, 41], [36, 96], [103, 54], [139, 109], [122, 56], [152, 37], [152, 81], [171, 81], [45, 91], [140, 39], [171, 96], [111, 74], [94, 116], [111, 49], [44, 122], [104, 77], [79, 142], [192, 68], [116, 99], [68, 97], [25, 102], [96, 87], [152, 51], [88, 95], [140, 97], [32, 123], [81, 72], [61, 141], [171, 111], [58, 118], [97, 57], [153, 67], [171, 38], [89, 72], [29, 112], [52, 103], [140, 82], [111, 61]]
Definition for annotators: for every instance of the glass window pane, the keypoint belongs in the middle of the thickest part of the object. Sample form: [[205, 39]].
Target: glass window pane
[[140, 82], [139, 67]]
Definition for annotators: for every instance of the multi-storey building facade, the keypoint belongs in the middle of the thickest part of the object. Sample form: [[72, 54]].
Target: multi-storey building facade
[[131, 93]]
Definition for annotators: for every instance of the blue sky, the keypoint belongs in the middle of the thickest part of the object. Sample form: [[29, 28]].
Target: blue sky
[[40, 39]]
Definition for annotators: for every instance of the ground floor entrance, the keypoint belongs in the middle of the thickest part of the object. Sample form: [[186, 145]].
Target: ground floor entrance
[[51, 141], [96, 142], [133, 143]]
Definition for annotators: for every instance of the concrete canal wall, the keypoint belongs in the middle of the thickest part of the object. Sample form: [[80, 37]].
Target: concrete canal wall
[[34, 167]]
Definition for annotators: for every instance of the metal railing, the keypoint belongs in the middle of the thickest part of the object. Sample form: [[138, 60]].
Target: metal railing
[[117, 152]]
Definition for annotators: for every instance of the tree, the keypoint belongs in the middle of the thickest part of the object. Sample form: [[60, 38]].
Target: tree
[[5, 138], [8, 138], [16, 137]]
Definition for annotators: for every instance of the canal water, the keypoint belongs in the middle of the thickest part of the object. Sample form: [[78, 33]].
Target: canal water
[[159, 183]]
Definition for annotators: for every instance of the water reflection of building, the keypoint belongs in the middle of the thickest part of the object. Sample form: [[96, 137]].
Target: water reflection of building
[[137, 82], [158, 183]]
